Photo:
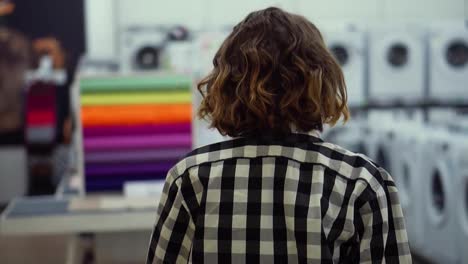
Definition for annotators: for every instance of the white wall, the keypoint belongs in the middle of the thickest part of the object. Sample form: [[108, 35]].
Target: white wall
[[105, 17], [466, 9], [100, 28]]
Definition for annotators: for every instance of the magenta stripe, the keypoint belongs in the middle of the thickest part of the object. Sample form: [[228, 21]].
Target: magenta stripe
[[97, 131], [133, 155], [138, 142]]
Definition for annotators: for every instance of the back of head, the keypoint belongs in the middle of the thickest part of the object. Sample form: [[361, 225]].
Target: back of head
[[273, 73]]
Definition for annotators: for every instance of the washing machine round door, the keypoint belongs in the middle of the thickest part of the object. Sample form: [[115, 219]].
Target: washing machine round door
[[456, 53], [438, 192], [398, 55], [147, 58], [341, 53]]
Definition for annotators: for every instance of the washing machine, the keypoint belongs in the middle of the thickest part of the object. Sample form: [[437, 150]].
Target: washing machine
[[460, 158], [408, 174], [350, 136], [349, 49], [396, 65], [380, 138], [205, 46], [448, 72], [141, 48], [439, 199]]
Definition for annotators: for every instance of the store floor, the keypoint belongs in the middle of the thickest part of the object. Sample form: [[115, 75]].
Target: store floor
[[25, 250], [43, 249]]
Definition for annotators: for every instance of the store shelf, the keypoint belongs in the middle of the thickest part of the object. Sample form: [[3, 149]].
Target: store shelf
[[53, 215]]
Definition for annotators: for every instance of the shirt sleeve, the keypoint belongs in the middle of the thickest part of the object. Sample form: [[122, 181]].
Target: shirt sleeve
[[383, 237], [172, 234]]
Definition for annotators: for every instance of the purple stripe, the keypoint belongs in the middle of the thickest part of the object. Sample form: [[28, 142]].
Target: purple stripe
[[135, 155], [126, 178], [99, 131], [116, 170], [138, 142]]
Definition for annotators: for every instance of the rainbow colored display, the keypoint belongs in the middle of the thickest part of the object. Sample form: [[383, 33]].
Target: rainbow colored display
[[134, 128]]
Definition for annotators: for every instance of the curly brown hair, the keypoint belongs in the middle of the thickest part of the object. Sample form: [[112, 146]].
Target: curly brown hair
[[273, 73]]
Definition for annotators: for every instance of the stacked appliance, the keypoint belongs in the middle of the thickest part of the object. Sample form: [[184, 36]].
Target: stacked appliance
[[135, 128], [448, 63], [141, 48], [349, 48], [397, 65], [150, 48]]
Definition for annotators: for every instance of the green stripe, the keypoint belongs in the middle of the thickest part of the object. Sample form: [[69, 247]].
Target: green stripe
[[135, 83]]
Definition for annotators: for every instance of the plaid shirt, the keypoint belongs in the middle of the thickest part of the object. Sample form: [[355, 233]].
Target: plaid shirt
[[293, 199]]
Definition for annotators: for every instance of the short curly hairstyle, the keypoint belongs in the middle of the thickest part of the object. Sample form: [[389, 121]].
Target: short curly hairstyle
[[273, 73]]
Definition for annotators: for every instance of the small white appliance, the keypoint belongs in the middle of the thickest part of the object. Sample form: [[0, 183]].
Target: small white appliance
[[448, 73], [141, 48], [396, 65], [349, 48]]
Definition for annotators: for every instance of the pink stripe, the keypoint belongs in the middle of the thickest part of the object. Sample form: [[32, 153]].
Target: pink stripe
[[99, 131]]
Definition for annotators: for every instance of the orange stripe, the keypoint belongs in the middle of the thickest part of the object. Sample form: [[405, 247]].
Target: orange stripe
[[136, 114]]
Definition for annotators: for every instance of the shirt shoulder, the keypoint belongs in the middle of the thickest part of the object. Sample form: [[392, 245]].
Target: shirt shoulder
[[300, 148]]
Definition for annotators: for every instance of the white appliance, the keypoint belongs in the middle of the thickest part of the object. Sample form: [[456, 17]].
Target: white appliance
[[439, 199], [348, 136], [408, 174], [177, 57], [206, 44], [380, 138], [141, 48], [349, 49], [396, 65], [460, 158], [449, 63]]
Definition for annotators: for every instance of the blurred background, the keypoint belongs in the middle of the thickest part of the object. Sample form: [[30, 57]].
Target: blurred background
[[97, 102]]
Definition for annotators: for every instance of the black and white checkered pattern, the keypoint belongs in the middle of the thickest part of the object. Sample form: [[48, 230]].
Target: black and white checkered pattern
[[294, 199]]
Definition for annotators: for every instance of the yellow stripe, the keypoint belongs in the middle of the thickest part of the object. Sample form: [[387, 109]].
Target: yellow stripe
[[136, 98]]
